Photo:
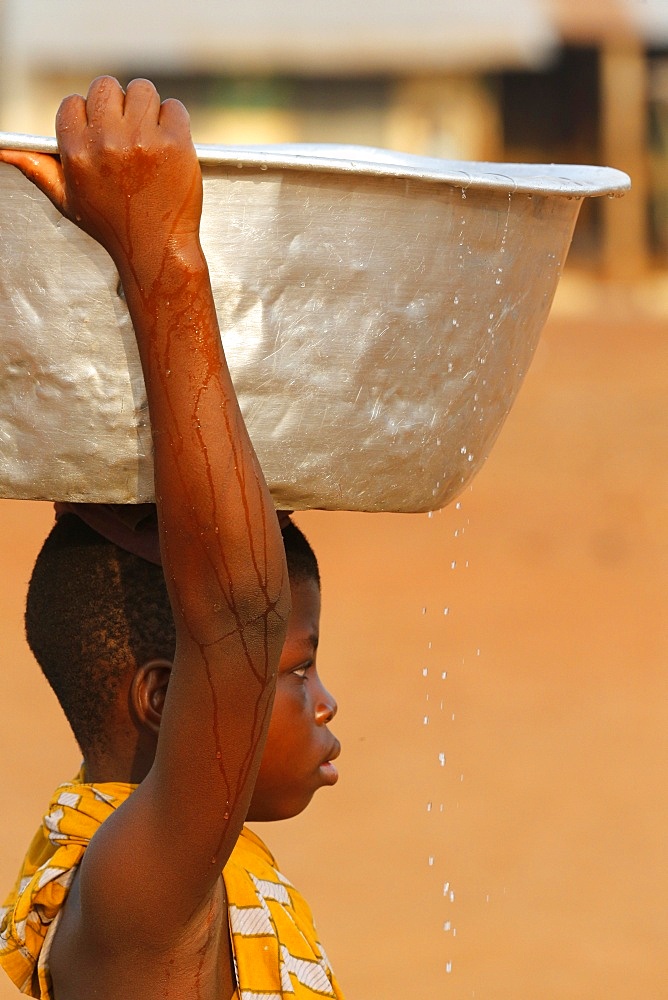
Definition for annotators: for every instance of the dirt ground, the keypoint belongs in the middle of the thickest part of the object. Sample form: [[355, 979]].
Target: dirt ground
[[498, 831]]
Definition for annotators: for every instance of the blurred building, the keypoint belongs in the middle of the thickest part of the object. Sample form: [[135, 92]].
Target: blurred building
[[538, 80]]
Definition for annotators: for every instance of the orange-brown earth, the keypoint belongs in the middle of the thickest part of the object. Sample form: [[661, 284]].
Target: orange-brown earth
[[546, 817]]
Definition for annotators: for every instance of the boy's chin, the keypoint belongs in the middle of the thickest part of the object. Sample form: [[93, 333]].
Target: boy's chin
[[271, 812]]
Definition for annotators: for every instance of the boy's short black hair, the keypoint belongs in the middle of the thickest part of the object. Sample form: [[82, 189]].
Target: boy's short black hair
[[94, 611]]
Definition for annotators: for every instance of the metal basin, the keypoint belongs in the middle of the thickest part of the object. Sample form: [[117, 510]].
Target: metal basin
[[379, 312]]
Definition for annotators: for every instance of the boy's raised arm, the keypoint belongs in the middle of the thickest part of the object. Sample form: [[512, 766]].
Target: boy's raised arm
[[129, 176]]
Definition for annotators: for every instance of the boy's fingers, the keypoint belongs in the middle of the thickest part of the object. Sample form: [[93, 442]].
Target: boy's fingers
[[142, 101], [43, 170], [70, 119], [174, 116], [105, 96]]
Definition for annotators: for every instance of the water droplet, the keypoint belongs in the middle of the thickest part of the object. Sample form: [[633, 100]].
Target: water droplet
[[431, 861], [448, 967], [441, 759], [425, 671], [446, 888], [424, 611], [446, 611], [428, 807], [447, 925], [425, 721], [263, 166], [444, 675]]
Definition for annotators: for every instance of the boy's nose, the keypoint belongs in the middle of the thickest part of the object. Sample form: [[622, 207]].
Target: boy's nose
[[326, 707]]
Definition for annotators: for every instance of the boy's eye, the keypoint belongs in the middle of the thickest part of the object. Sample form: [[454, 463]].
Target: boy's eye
[[302, 671]]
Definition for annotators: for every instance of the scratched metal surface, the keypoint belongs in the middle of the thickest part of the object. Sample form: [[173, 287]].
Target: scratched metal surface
[[378, 323]]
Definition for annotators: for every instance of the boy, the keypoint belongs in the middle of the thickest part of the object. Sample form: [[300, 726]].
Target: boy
[[125, 898]]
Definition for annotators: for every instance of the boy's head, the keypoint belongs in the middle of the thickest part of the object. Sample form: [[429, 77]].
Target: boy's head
[[96, 614]]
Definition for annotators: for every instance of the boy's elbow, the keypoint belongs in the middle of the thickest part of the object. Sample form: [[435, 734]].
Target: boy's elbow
[[257, 616]]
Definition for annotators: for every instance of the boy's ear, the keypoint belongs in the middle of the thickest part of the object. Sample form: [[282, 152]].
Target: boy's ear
[[147, 693]]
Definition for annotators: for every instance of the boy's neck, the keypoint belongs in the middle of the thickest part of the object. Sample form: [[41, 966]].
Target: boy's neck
[[101, 768]]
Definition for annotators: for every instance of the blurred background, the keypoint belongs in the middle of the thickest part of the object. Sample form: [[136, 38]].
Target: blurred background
[[499, 828]]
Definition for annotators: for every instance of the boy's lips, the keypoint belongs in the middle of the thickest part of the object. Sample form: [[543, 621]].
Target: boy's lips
[[327, 769]]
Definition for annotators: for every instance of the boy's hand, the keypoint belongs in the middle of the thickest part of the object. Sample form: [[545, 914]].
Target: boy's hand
[[118, 153]]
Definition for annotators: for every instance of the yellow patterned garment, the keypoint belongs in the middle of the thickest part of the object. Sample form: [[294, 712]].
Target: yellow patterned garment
[[274, 942]]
